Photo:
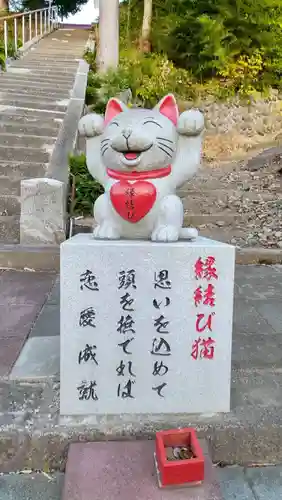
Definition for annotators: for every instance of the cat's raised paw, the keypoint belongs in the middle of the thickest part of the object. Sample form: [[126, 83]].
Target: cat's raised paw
[[191, 123], [106, 232], [165, 233], [91, 125]]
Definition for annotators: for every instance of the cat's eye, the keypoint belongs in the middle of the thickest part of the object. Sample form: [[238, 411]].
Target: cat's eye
[[114, 123], [152, 121]]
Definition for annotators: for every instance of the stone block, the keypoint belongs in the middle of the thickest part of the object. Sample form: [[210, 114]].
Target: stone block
[[128, 472], [146, 328], [43, 211]]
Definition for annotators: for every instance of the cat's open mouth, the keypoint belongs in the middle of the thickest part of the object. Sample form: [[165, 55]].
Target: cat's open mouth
[[130, 155], [131, 158]]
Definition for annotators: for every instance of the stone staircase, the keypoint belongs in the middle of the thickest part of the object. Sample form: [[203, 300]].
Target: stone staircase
[[35, 93]]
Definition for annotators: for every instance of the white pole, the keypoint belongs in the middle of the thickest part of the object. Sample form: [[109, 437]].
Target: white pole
[[108, 34], [5, 40]]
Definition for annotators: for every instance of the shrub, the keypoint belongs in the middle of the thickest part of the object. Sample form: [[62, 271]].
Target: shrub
[[87, 189], [149, 77], [211, 38]]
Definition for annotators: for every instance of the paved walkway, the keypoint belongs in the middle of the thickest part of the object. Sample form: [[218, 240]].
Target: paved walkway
[[235, 484], [250, 433], [22, 295]]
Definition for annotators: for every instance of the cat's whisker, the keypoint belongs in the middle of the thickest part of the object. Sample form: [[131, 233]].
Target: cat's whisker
[[165, 146], [164, 139], [166, 152], [105, 140], [103, 151]]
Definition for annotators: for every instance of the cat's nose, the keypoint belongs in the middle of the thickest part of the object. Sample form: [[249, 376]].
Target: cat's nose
[[126, 133]]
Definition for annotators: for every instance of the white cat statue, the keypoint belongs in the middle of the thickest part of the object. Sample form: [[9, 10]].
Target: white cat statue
[[141, 157]]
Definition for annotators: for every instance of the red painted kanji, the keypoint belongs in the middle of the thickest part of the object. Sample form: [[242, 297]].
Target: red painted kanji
[[199, 268], [198, 296], [203, 348], [206, 297], [209, 296], [205, 269], [202, 323], [210, 271]]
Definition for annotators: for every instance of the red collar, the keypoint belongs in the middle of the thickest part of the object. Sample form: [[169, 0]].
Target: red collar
[[139, 176]]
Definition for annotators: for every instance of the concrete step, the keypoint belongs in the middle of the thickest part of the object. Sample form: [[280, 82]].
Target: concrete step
[[85, 225], [46, 57], [31, 95], [21, 154], [9, 229], [53, 61], [210, 202], [57, 52], [45, 87], [31, 104], [9, 205], [197, 219], [38, 258], [27, 141], [21, 68], [22, 170], [34, 78], [36, 93], [14, 127], [22, 113], [49, 64], [9, 186]]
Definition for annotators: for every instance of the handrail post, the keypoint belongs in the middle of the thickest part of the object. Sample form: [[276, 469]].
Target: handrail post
[[30, 28], [23, 29], [36, 24], [41, 24], [45, 21], [49, 18], [52, 18], [15, 35], [5, 40]]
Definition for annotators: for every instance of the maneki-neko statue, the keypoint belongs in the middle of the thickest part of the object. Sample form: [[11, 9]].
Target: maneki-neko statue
[[141, 156]]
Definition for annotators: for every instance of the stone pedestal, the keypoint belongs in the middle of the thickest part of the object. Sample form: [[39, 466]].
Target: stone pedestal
[[43, 207], [146, 328]]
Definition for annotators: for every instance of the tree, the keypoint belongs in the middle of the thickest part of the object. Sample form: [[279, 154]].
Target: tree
[[4, 5], [145, 39], [65, 7], [108, 55]]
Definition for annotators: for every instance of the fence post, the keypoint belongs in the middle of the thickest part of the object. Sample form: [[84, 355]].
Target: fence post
[[41, 24], [23, 29], [30, 27], [15, 35], [5, 39]]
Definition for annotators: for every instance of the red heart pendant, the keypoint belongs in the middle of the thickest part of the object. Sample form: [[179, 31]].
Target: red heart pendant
[[133, 201]]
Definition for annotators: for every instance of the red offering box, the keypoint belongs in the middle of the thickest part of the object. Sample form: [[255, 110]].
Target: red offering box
[[177, 472]]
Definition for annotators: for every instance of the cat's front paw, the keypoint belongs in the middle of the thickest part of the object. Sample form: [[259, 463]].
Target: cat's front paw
[[91, 125], [165, 233], [191, 123], [106, 232]]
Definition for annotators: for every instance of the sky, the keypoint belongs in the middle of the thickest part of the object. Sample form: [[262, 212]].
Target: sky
[[86, 15]]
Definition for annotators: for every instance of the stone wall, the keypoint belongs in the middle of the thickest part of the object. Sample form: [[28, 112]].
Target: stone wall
[[235, 129]]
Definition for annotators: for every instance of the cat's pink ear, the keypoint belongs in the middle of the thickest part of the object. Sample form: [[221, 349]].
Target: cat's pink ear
[[114, 107], [169, 108]]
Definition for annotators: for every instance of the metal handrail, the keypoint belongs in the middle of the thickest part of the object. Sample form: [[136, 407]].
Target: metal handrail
[[45, 21]]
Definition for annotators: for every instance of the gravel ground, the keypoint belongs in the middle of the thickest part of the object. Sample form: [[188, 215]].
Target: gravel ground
[[245, 206]]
